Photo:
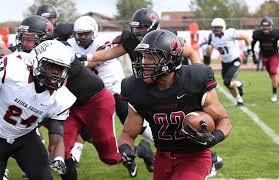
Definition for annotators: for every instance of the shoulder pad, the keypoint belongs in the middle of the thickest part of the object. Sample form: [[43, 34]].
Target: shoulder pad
[[116, 40]]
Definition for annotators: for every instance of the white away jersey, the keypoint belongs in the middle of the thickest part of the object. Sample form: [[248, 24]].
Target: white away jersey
[[110, 72], [226, 45], [21, 107]]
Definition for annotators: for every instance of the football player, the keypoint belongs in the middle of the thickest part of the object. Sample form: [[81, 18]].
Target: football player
[[163, 93], [85, 32], [94, 110], [223, 40], [48, 11], [31, 89], [85, 42], [268, 37], [143, 21]]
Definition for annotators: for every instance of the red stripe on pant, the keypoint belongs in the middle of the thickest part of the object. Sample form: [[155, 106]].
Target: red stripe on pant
[[97, 116], [182, 166]]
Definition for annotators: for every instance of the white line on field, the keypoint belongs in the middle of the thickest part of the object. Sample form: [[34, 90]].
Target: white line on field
[[267, 130]]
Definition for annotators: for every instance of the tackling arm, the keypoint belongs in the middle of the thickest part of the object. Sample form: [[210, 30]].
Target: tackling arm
[[190, 53], [105, 55]]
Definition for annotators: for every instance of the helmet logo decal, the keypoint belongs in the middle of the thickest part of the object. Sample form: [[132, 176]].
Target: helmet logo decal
[[41, 48], [153, 16], [134, 23], [46, 14], [175, 48], [49, 27], [142, 46]]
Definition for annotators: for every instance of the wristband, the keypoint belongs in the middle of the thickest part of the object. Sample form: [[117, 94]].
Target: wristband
[[218, 135]]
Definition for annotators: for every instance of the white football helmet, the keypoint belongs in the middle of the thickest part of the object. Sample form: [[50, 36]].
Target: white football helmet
[[218, 26], [50, 62], [85, 31]]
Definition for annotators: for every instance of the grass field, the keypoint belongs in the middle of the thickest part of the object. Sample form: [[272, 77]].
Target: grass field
[[248, 153]]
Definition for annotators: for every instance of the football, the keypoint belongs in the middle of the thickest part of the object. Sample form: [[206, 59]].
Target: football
[[194, 119]]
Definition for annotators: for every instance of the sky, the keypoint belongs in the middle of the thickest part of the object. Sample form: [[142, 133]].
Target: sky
[[14, 9]]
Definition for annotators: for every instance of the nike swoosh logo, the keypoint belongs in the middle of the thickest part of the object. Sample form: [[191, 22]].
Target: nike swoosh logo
[[202, 143], [179, 97], [43, 104], [134, 172]]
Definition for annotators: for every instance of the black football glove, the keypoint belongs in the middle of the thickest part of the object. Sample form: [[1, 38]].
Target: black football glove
[[58, 166], [127, 154], [204, 137], [255, 60], [248, 52], [81, 57]]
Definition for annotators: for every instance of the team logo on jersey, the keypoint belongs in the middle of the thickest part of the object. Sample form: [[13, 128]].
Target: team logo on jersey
[[35, 97]]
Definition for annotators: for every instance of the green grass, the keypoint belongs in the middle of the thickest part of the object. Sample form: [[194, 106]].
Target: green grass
[[248, 152]]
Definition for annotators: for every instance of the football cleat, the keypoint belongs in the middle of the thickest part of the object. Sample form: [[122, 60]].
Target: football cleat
[[239, 103], [240, 90], [24, 175], [274, 98], [132, 169], [6, 174], [217, 164], [144, 151]]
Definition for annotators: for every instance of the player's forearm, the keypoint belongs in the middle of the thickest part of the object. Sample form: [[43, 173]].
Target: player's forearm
[[194, 58], [56, 146]]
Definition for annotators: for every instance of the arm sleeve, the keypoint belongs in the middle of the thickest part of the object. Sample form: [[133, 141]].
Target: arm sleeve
[[55, 127]]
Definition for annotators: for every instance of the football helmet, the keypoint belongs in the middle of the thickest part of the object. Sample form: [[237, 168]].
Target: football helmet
[[85, 31], [266, 25], [48, 11], [158, 53], [32, 31], [143, 21], [50, 63], [218, 26]]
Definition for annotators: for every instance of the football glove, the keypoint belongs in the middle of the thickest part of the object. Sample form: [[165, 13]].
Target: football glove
[[58, 166], [204, 137], [81, 57], [127, 154], [255, 60]]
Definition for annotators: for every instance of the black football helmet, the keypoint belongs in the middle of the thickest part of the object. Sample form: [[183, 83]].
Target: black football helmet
[[266, 25], [143, 21], [48, 11], [32, 31], [163, 49]]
